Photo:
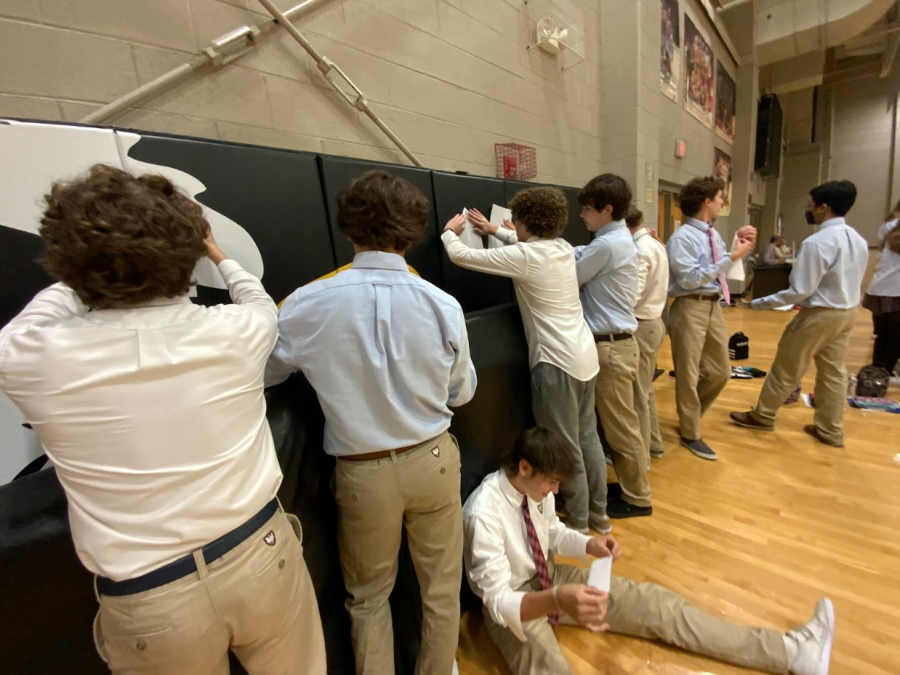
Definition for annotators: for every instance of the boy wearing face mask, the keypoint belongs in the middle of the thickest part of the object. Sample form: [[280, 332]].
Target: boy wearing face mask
[[826, 283]]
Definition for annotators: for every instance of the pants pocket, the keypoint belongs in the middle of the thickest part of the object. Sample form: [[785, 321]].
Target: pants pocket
[[295, 525]]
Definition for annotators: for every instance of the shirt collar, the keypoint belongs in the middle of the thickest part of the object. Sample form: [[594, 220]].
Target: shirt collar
[[640, 232], [609, 227], [699, 224], [162, 302], [510, 492], [839, 220], [379, 260]]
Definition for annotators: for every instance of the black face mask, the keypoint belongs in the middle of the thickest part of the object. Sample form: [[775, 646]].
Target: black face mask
[[810, 218]]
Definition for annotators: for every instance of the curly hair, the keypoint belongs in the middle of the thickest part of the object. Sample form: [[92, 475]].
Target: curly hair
[[634, 217], [696, 192], [607, 189], [120, 240], [543, 210], [381, 211]]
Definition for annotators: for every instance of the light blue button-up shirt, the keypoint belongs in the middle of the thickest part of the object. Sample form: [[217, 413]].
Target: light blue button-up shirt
[[386, 351], [608, 275], [828, 272], [691, 266], [886, 280]]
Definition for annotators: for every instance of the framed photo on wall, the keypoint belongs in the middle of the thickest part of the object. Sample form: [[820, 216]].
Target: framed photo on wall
[[722, 169], [670, 49], [699, 80], [725, 103]]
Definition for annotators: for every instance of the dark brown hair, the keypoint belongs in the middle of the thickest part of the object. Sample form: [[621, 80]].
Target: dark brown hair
[[839, 195], [607, 188], [381, 211], [119, 240], [543, 210], [696, 192], [635, 217], [546, 451]]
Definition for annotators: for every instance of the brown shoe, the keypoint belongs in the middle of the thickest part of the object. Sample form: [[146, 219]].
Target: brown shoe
[[746, 419], [812, 431]]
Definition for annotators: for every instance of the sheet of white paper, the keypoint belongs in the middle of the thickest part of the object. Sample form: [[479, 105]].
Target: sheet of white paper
[[469, 236], [736, 272], [601, 570], [498, 215], [786, 308]]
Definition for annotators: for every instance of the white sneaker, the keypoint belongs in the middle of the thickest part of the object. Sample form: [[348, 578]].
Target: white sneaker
[[455, 668], [811, 648]]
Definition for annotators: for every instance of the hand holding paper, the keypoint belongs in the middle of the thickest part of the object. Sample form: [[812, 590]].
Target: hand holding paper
[[601, 574]]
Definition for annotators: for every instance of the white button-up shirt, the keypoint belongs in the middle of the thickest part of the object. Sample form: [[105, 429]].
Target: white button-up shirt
[[654, 276], [153, 416], [544, 275], [828, 272], [497, 554], [886, 280], [386, 351]]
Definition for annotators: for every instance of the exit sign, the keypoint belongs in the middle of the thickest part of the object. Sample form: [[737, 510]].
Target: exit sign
[[680, 149]]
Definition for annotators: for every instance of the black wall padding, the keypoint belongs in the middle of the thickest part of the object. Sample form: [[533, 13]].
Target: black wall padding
[[452, 193], [273, 194], [21, 275], [425, 256]]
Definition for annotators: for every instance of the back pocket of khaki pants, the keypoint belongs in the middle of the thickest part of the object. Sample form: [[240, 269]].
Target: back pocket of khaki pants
[[124, 648]]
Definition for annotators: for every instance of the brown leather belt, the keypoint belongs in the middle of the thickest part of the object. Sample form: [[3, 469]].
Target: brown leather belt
[[612, 337], [702, 296], [381, 454]]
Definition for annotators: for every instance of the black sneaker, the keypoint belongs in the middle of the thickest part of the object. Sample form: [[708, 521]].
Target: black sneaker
[[699, 448], [619, 508], [657, 373], [613, 491]]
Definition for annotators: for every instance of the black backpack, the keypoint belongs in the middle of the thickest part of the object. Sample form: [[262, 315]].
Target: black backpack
[[872, 381], [738, 347]]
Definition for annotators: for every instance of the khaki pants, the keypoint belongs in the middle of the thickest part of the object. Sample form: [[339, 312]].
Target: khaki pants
[[650, 335], [566, 405], [700, 351], [646, 611], [418, 489], [819, 334], [615, 403], [257, 599]]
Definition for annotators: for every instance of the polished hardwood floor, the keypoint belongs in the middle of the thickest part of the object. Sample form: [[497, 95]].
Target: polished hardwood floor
[[760, 535]]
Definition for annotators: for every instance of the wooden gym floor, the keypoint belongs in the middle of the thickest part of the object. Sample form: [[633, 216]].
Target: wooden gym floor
[[760, 535]]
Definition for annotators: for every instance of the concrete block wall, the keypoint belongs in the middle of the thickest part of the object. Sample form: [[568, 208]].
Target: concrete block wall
[[451, 77]]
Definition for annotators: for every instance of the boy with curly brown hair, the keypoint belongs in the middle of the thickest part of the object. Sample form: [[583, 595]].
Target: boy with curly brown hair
[[561, 351]]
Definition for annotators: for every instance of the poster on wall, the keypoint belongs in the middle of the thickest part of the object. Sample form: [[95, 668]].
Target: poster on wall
[[725, 103], [699, 83], [722, 169], [670, 50]]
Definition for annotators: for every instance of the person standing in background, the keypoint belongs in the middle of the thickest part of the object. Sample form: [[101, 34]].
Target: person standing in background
[[826, 283], [698, 263], [608, 274], [561, 351], [651, 331], [388, 355], [152, 411], [883, 295]]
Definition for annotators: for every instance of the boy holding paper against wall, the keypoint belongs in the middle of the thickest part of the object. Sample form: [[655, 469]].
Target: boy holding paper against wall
[[561, 350], [511, 533]]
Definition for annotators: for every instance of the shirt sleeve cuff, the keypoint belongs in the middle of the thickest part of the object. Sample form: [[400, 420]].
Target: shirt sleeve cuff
[[726, 263], [506, 236], [510, 608], [448, 236]]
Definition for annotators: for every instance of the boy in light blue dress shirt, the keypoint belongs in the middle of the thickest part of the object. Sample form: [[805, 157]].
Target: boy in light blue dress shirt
[[826, 283], [388, 356]]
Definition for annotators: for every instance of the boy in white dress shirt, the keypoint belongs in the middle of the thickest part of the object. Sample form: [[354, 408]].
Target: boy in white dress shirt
[[561, 350], [651, 332], [152, 410], [511, 535]]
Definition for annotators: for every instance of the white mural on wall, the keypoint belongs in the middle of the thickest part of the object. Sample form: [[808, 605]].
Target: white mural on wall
[[34, 156]]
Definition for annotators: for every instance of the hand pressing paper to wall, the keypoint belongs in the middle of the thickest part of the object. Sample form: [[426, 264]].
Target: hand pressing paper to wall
[[469, 236]]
